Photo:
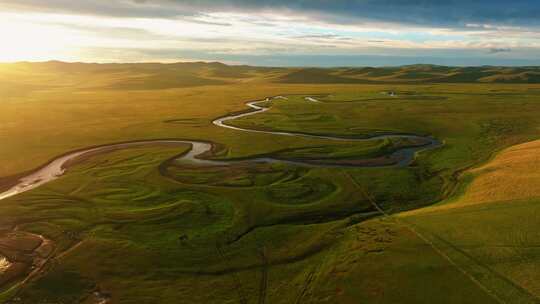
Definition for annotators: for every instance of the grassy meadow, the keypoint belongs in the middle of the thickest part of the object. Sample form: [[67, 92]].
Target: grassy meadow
[[458, 225]]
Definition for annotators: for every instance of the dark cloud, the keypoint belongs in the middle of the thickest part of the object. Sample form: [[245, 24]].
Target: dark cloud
[[323, 37], [499, 50], [449, 13], [208, 22]]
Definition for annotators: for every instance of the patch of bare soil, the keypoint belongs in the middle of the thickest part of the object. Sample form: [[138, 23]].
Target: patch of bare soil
[[21, 255]]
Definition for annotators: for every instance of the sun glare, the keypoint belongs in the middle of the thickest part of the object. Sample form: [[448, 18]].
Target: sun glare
[[27, 41]]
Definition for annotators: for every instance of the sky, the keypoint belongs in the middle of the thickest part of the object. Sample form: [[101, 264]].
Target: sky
[[273, 32]]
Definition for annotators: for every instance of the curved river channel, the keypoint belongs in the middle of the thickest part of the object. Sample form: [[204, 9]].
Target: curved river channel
[[58, 166]]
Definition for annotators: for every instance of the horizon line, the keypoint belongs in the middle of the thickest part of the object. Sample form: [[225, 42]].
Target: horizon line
[[261, 66]]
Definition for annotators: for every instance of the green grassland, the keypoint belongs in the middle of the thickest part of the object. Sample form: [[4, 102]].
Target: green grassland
[[134, 227], [499, 247]]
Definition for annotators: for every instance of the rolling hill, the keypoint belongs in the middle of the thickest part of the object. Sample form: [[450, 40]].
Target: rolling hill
[[489, 229], [155, 76]]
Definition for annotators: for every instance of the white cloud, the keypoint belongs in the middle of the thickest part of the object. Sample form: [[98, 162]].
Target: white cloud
[[41, 36]]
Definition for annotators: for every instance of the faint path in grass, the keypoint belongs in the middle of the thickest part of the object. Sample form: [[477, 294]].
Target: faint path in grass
[[242, 298], [264, 277], [307, 284]]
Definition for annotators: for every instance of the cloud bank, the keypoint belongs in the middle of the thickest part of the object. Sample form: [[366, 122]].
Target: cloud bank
[[220, 29], [420, 12]]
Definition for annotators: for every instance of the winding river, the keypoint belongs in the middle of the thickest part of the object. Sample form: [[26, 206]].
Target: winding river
[[195, 156]]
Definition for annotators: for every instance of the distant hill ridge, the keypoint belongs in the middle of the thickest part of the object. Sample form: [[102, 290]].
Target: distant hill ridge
[[187, 74]]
